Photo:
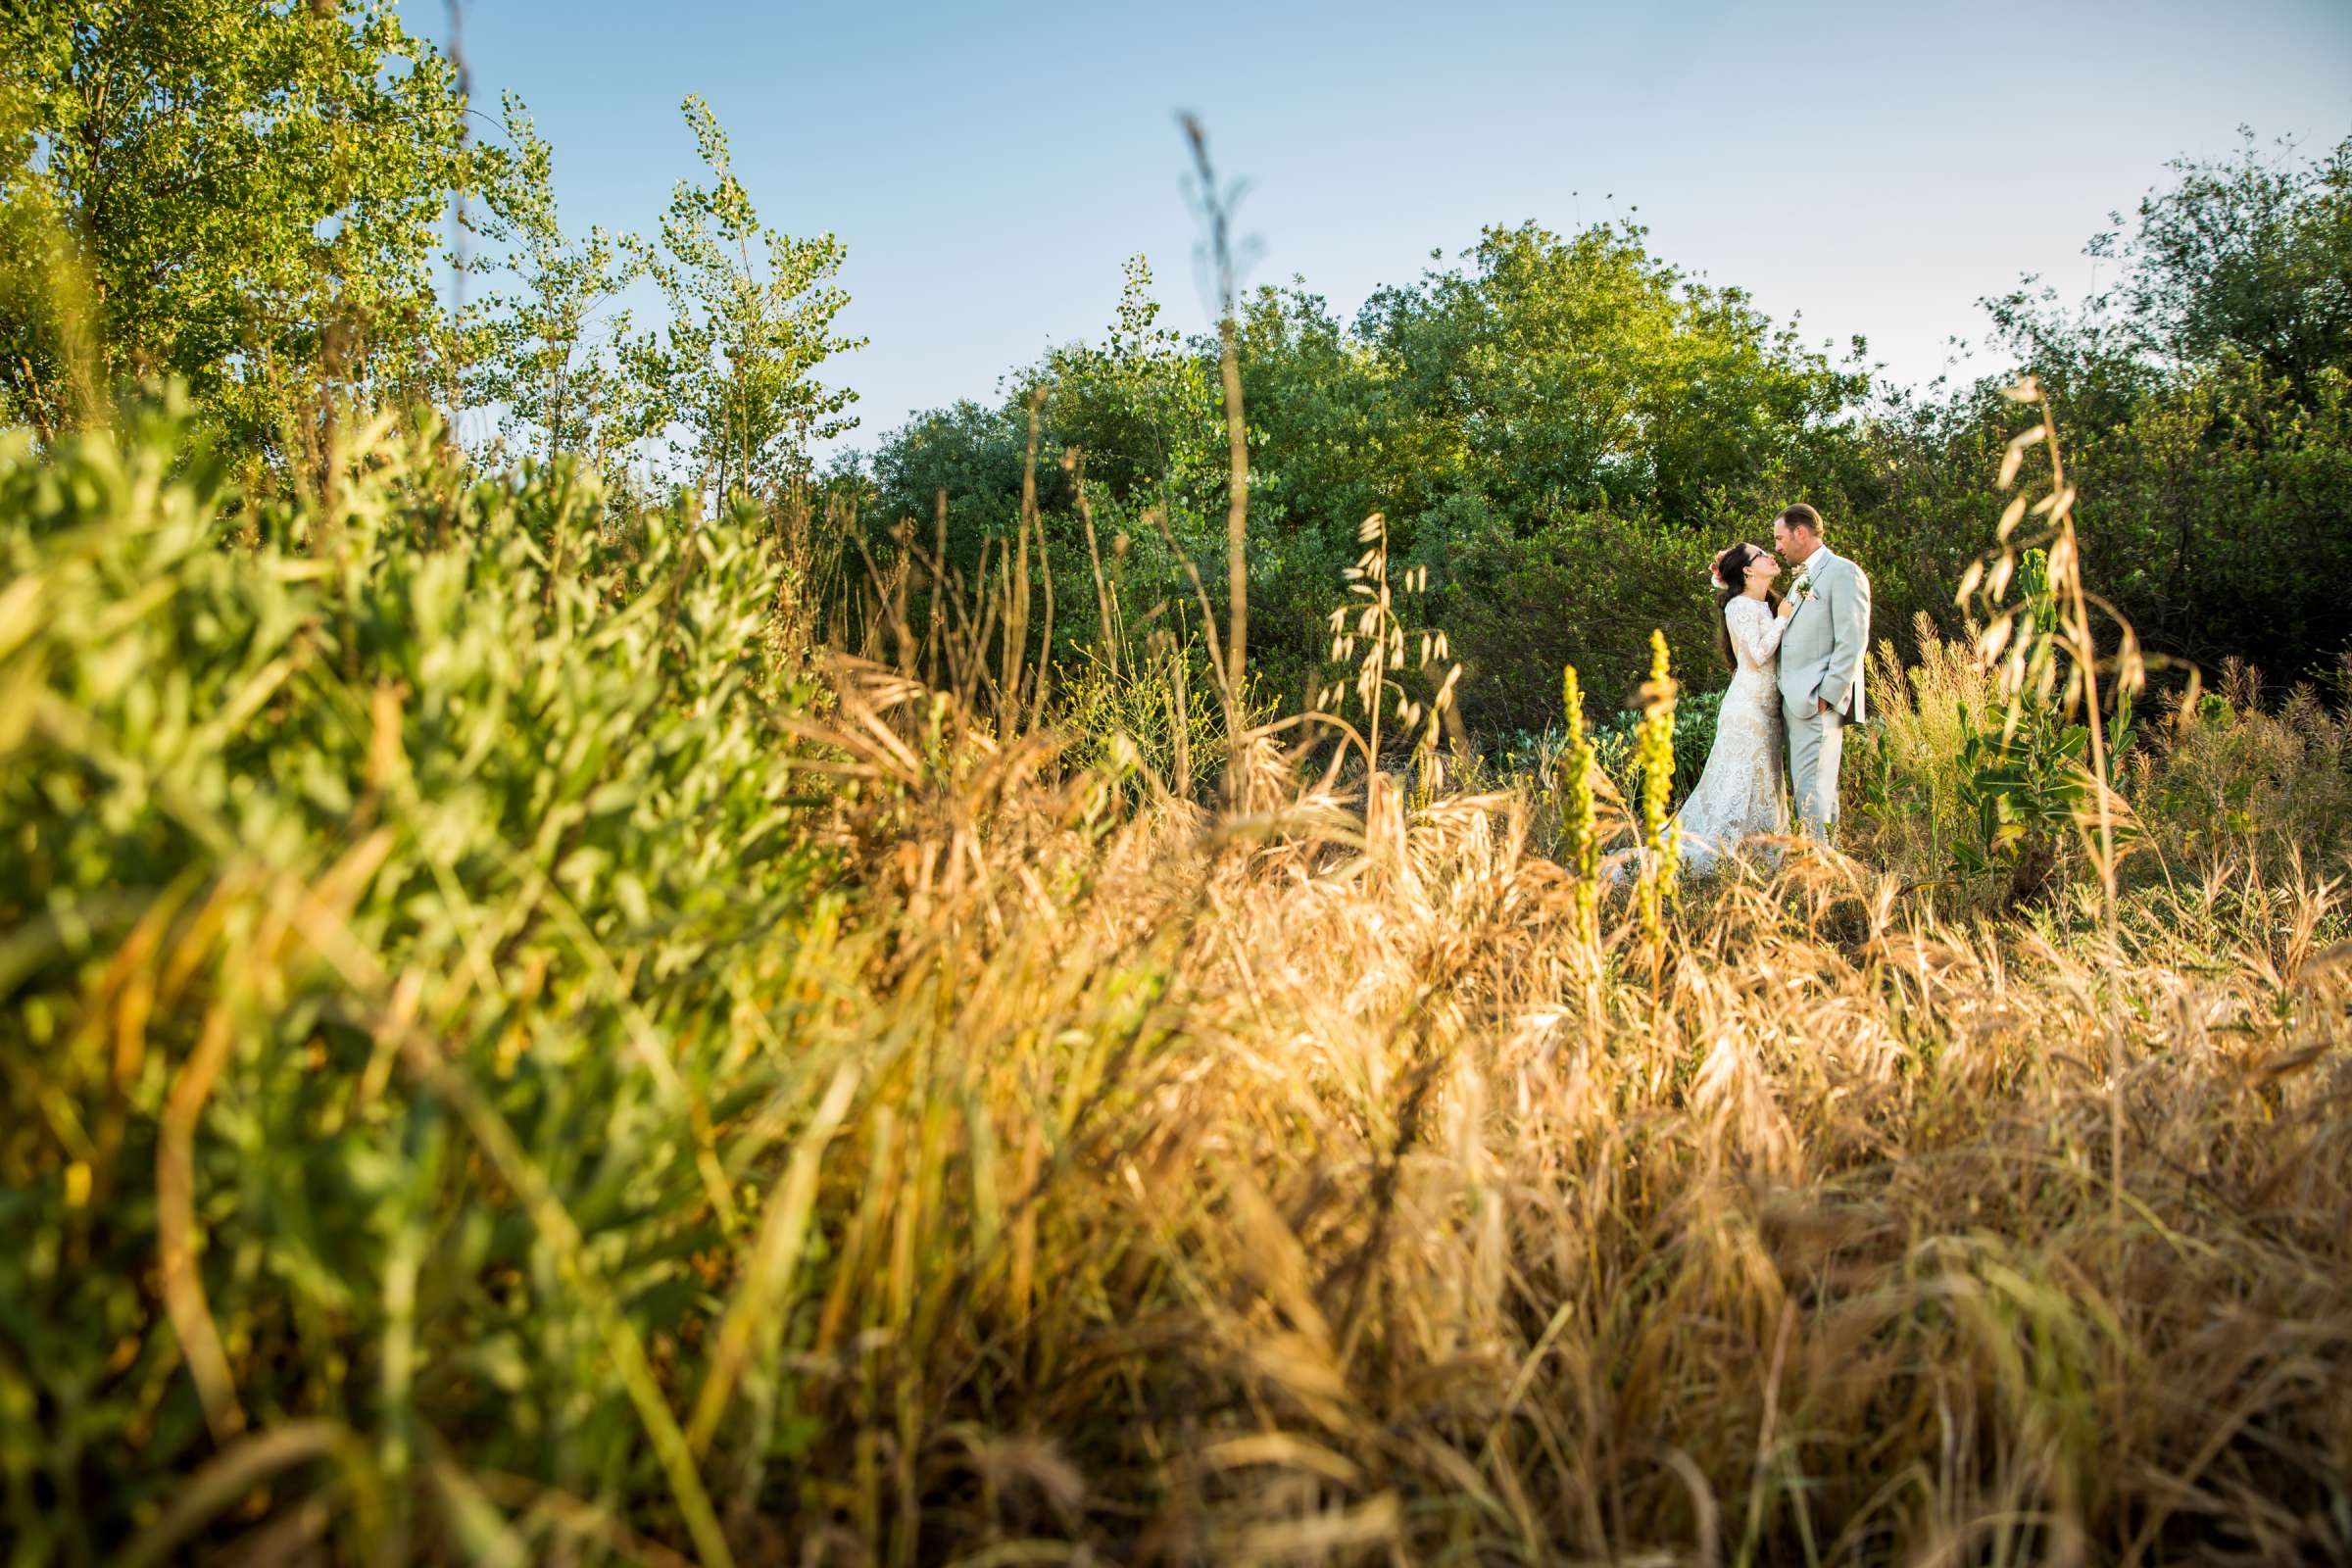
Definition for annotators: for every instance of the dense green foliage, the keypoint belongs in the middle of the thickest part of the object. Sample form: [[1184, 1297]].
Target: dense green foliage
[[493, 733], [248, 196], [1564, 429], [2207, 394], [259, 200]]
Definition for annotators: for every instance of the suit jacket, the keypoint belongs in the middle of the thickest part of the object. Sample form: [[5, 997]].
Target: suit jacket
[[1820, 652]]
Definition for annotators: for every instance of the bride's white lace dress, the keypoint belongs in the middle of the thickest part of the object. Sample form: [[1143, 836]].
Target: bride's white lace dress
[[1740, 794]]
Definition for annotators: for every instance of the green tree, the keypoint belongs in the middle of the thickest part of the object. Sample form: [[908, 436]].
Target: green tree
[[545, 364], [2204, 398], [972, 452], [239, 194], [1339, 443], [1586, 372], [751, 319], [1142, 405], [1331, 444], [2246, 256]]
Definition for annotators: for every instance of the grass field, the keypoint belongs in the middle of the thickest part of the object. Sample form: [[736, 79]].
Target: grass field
[[513, 1053]]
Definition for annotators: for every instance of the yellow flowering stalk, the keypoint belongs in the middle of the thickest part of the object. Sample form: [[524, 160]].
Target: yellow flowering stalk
[[1653, 754], [1580, 829]]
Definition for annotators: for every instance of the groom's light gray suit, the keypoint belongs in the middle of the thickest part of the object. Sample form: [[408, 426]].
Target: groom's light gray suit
[[1821, 661]]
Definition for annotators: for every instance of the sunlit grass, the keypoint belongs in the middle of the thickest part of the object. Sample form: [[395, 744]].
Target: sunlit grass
[[500, 1067]]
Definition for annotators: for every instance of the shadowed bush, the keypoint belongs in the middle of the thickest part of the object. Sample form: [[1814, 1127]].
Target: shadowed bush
[[2232, 780]]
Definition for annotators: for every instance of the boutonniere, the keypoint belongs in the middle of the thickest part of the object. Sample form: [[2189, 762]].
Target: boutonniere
[[1802, 589]]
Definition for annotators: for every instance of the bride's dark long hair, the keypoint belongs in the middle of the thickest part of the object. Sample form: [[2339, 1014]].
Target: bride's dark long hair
[[1731, 581]]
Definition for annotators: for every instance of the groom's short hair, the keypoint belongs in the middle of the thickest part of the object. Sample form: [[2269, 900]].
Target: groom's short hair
[[1802, 516]]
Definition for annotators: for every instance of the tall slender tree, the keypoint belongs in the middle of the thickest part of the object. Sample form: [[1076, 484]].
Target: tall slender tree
[[752, 315], [545, 361]]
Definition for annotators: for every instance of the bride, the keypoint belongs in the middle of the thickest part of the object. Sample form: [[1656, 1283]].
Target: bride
[[1738, 796]]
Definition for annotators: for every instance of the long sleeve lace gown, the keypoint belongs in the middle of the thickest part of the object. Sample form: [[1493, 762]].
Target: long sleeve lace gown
[[1739, 795]]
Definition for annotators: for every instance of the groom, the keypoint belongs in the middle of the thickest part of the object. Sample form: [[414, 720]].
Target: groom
[[1821, 664]]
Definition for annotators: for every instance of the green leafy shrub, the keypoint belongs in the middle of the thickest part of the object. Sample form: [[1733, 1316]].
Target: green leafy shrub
[[2027, 774], [1905, 766], [417, 848], [1694, 737], [2231, 779], [1116, 720], [1585, 591], [1978, 776]]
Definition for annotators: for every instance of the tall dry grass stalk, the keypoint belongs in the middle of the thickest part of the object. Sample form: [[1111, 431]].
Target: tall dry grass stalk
[[2064, 659], [1216, 208], [1370, 633]]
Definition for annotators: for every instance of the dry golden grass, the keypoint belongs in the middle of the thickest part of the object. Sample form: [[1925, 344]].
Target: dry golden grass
[[1303, 1188]]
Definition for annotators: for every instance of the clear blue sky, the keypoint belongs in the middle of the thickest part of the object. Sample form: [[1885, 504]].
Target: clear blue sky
[[1877, 167]]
